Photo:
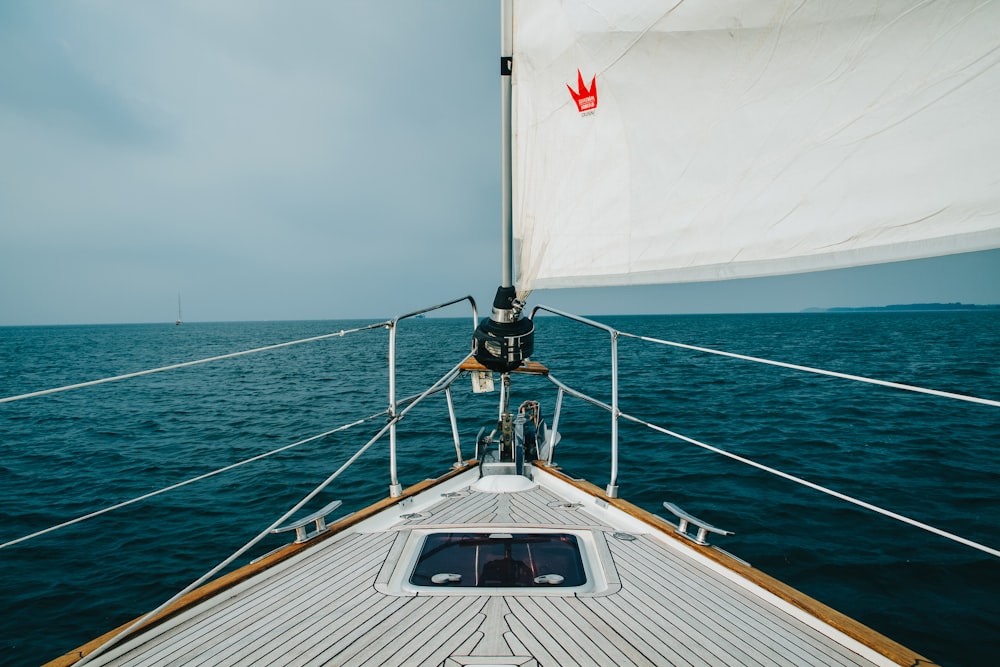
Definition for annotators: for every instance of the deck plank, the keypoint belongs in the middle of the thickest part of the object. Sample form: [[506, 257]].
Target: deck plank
[[712, 601], [636, 650], [563, 623], [473, 639], [546, 653], [423, 619], [466, 637], [320, 607], [276, 610], [474, 508], [660, 634], [675, 616], [334, 606], [305, 599]]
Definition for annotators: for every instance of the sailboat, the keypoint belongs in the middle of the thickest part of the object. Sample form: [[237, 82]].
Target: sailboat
[[670, 143], [180, 318]]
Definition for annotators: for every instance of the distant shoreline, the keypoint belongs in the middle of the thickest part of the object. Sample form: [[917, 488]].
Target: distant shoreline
[[910, 307]]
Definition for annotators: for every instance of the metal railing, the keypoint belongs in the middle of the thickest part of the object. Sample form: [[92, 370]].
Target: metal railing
[[395, 488], [612, 488], [617, 414]]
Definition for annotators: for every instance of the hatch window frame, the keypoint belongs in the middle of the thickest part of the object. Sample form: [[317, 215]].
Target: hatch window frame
[[396, 576]]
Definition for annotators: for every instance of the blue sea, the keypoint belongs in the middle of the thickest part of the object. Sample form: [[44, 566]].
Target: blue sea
[[929, 458]]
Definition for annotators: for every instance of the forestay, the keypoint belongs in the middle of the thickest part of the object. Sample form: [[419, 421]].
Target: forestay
[[670, 142]]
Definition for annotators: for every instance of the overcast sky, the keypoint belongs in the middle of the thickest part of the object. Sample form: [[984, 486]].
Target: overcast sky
[[294, 160]]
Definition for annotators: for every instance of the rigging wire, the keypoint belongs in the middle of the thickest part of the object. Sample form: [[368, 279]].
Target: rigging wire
[[79, 519], [779, 473], [192, 480], [820, 371], [340, 334], [820, 488], [445, 380]]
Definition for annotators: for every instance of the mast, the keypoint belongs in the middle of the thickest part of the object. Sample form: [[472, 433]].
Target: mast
[[504, 340], [506, 151]]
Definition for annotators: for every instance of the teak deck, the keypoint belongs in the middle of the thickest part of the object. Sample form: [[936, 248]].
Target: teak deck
[[672, 603]]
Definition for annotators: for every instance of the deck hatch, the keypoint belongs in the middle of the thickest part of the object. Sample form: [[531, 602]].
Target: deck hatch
[[471, 559], [499, 560]]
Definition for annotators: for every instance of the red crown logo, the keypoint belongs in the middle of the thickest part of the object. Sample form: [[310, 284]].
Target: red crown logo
[[585, 98]]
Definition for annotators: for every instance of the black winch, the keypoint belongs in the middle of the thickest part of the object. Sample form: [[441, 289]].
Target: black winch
[[505, 339]]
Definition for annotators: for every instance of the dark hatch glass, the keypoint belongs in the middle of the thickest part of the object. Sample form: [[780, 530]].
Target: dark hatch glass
[[499, 560]]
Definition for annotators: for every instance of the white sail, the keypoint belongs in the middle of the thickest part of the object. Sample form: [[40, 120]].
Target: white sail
[[793, 136]]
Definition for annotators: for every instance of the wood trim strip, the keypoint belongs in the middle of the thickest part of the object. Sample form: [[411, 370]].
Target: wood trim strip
[[850, 627]]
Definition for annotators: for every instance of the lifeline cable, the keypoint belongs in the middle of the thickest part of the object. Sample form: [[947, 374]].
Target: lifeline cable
[[189, 481], [820, 371], [822, 489], [445, 380], [185, 364], [779, 473]]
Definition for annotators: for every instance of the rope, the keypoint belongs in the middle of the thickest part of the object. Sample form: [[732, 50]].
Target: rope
[[820, 371], [185, 364], [822, 489], [188, 481]]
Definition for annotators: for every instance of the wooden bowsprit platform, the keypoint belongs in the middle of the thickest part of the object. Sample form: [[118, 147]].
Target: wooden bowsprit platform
[[526, 367]]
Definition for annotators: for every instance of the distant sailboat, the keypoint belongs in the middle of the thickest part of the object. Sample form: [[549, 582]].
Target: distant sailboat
[[180, 319]]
